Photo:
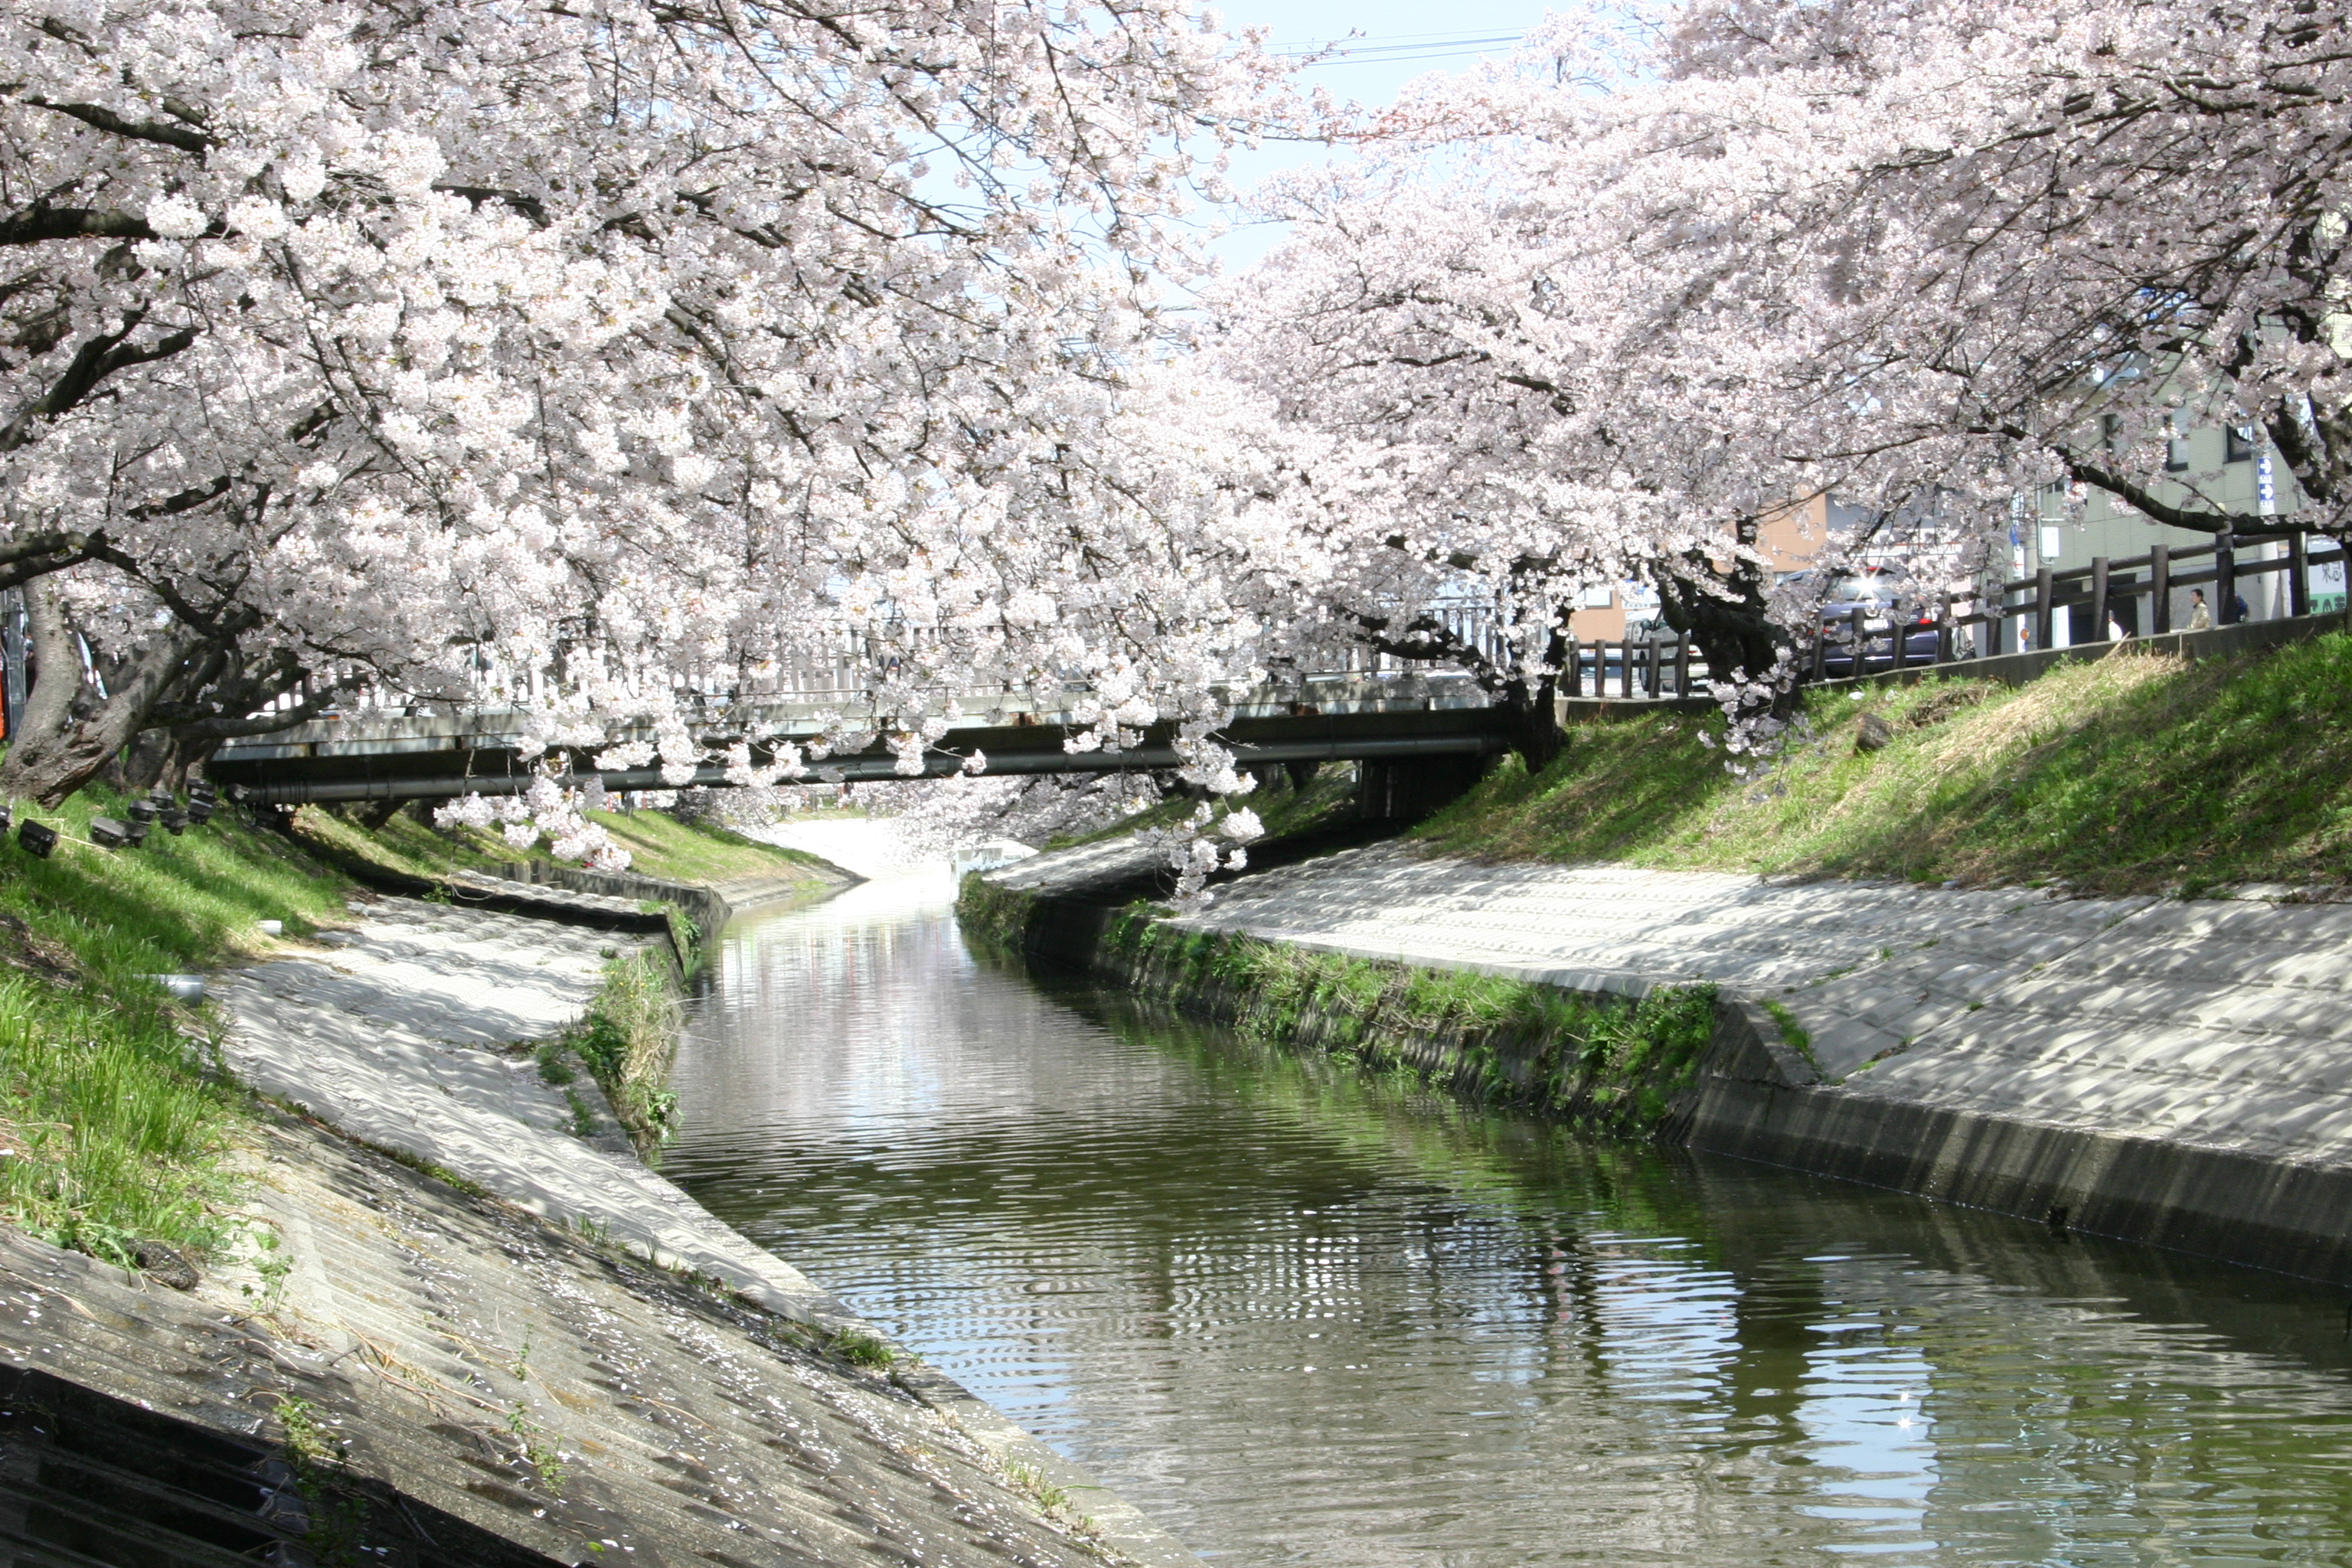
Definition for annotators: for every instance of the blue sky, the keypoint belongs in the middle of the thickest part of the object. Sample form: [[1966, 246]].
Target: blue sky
[[1400, 42]]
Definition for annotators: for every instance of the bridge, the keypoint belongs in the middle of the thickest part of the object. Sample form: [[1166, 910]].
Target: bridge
[[1421, 737]]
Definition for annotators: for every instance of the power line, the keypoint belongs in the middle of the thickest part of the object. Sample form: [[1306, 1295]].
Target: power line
[[1370, 45], [1396, 59], [1369, 51], [1430, 40]]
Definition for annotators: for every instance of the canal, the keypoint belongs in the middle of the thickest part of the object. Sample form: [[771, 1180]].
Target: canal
[[1298, 1314]]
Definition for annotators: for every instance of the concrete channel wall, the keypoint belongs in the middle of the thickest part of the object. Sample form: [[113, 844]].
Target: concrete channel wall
[[2166, 1071]]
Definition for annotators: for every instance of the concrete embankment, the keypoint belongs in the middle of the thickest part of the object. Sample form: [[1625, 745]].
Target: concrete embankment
[[466, 1325], [2175, 1072], [710, 907]]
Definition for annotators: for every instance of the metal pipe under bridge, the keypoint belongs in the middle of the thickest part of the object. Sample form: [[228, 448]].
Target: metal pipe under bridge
[[1454, 742]]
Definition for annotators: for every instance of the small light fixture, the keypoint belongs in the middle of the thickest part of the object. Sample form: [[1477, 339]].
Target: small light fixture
[[174, 820], [37, 838], [137, 831], [143, 811], [108, 834], [200, 809]]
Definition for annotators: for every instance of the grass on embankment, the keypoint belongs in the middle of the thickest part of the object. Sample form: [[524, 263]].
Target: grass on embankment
[[659, 846], [114, 1125], [2130, 773]]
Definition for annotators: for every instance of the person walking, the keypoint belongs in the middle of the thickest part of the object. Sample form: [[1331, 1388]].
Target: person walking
[[2200, 619]]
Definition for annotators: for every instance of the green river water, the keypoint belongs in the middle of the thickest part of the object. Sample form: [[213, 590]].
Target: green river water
[[1301, 1315]]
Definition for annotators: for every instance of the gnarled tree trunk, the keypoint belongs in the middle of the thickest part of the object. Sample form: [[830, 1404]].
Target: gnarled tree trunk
[[68, 732], [1530, 711], [1725, 612]]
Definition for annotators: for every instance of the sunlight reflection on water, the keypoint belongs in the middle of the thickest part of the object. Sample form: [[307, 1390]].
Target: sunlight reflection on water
[[1300, 1315]]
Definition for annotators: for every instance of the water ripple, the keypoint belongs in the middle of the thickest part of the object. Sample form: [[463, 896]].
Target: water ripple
[[1299, 1316]]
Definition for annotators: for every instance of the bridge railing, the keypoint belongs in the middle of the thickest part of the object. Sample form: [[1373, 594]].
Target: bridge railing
[[2135, 595]]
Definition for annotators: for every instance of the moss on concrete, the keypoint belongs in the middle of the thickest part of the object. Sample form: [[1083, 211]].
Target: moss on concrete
[[1608, 1062]]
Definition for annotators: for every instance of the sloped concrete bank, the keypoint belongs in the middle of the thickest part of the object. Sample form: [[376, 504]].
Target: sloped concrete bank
[[465, 1325], [710, 907], [2171, 1072]]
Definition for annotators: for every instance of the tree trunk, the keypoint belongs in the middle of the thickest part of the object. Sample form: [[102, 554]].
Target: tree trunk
[[1726, 615], [68, 732], [1531, 721], [140, 765], [372, 815]]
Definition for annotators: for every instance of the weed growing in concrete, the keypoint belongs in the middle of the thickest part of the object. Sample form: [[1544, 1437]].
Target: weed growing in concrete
[[1032, 1480], [275, 1265], [531, 1439], [861, 1349], [625, 1040], [317, 1456], [583, 1120], [1794, 1034], [554, 1063], [308, 1440], [422, 1166]]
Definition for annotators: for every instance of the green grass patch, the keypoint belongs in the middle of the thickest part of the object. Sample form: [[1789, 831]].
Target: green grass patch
[[659, 846], [2129, 773], [624, 1040], [1798, 1038], [115, 1121]]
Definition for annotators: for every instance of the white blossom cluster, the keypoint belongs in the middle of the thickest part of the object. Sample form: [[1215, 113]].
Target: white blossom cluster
[[937, 817], [546, 811], [1602, 313], [1191, 849]]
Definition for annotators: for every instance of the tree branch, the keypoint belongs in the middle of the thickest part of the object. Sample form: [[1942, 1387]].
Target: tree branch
[[92, 362], [103, 118], [40, 223]]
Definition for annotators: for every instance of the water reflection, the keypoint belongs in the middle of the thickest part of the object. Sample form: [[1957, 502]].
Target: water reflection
[[1298, 1315]]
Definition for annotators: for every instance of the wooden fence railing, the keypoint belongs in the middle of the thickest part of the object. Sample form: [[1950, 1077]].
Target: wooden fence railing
[[1869, 639]]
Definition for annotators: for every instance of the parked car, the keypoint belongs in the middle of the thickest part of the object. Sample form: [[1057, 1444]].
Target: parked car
[[1881, 611]]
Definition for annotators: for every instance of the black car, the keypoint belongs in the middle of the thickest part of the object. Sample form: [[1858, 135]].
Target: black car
[[1880, 613]]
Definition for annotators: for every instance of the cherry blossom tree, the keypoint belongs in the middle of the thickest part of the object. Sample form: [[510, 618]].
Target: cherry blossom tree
[[592, 347], [1601, 314], [2059, 231]]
